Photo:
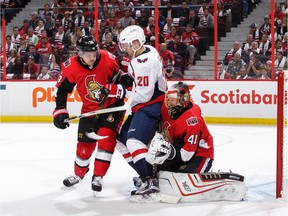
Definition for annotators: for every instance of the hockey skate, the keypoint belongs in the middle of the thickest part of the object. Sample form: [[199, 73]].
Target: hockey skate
[[138, 181], [72, 180], [96, 183], [147, 192]]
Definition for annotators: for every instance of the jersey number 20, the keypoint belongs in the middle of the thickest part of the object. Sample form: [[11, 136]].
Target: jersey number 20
[[142, 81]]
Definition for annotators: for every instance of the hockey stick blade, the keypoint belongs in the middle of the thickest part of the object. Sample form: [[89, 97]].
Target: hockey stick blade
[[93, 135], [108, 110]]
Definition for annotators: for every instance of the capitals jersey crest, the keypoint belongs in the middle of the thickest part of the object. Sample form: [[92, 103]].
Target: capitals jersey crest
[[93, 89], [142, 60]]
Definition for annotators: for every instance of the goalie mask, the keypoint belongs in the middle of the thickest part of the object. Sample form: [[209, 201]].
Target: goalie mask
[[177, 98]]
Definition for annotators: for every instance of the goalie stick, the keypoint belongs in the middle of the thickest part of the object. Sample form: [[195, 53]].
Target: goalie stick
[[107, 110]]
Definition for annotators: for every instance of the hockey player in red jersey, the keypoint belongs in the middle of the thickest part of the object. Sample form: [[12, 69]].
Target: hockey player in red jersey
[[91, 71], [186, 144]]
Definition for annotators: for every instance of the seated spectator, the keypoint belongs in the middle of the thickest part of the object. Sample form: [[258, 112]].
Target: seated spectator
[[15, 37], [47, 8], [55, 4], [221, 72], [170, 12], [278, 13], [263, 73], [10, 45], [142, 20], [89, 14], [191, 40], [66, 19], [57, 14], [31, 37], [54, 66], [61, 38], [44, 75], [16, 69], [44, 48], [23, 47], [76, 35], [116, 31], [193, 18], [102, 37], [167, 26], [39, 28], [179, 50], [69, 30], [235, 64], [254, 31], [167, 56], [120, 10], [79, 19], [265, 45], [248, 45], [129, 4], [12, 55], [49, 24], [24, 29], [172, 73], [222, 16], [280, 62], [183, 13], [104, 14], [109, 44], [265, 28], [253, 66], [86, 28], [255, 50], [31, 69], [242, 74], [285, 44], [171, 36], [278, 46], [112, 19], [269, 68], [125, 20], [151, 22], [236, 48], [150, 37], [207, 20], [282, 29], [32, 52], [33, 23]]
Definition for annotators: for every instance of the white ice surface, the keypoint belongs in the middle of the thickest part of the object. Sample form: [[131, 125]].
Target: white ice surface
[[35, 158]]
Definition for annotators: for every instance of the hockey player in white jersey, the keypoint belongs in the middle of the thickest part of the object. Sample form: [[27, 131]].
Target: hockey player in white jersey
[[147, 70]]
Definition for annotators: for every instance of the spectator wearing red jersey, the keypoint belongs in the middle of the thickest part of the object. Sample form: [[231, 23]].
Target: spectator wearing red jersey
[[170, 36], [109, 44], [24, 28], [191, 39], [44, 48], [278, 13], [168, 58], [31, 69], [120, 10]]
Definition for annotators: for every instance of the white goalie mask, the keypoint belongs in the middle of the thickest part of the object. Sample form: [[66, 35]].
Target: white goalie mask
[[130, 34]]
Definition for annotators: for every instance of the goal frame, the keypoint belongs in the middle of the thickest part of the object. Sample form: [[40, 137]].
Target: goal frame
[[281, 127]]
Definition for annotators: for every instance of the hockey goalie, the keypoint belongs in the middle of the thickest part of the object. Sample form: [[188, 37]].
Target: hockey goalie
[[183, 154]]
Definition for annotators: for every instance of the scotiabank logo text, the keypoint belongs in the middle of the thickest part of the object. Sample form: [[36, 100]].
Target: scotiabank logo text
[[236, 97], [41, 94]]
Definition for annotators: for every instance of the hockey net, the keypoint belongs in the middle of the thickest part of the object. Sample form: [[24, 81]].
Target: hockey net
[[282, 136]]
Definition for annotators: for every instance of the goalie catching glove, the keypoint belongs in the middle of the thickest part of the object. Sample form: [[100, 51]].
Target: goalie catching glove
[[160, 150], [59, 116], [115, 90]]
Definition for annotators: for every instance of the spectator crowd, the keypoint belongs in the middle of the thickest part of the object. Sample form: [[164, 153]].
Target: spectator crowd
[[36, 49]]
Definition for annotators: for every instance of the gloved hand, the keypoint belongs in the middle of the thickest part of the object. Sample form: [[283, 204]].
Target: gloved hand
[[59, 116], [115, 90]]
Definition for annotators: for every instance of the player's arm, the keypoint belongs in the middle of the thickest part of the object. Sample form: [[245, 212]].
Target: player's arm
[[64, 87]]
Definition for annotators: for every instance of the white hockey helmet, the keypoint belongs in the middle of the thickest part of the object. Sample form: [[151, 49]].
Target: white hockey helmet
[[130, 34]]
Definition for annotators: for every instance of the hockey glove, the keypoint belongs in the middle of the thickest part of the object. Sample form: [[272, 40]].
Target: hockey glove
[[115, 90], [159, 150], [59, 116]]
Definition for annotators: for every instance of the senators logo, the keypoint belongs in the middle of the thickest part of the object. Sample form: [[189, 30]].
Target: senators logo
[[93, 89]]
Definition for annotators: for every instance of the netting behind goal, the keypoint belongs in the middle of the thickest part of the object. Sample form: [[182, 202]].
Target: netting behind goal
[[282, 137]]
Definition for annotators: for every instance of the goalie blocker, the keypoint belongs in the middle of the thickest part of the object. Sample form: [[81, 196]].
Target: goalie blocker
[[196, 187]]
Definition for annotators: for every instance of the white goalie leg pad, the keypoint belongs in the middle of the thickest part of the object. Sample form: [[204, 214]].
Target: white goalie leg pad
[[196, 187]]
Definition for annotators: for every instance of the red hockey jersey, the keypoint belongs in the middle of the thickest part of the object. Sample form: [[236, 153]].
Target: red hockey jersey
[[192, 130], [88, 82]]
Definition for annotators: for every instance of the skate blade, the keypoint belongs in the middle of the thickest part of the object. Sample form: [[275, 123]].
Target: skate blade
[[95, 194], [145, 198]]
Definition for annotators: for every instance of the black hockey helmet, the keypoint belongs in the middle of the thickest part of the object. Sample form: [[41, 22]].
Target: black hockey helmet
[[179, 92], [87, 44]]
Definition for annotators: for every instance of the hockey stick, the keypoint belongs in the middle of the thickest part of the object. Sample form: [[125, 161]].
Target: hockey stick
[[108, 110]]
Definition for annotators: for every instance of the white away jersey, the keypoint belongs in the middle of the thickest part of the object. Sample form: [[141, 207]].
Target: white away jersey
[[147, 70]]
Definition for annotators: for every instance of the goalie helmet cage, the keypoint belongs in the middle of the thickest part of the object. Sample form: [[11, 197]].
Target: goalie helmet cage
[[282, 136]]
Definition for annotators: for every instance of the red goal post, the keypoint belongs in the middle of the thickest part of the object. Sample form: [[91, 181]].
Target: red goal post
[[282, 136]]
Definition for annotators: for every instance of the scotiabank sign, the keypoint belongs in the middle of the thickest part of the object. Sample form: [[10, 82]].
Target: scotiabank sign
[[217, 98]]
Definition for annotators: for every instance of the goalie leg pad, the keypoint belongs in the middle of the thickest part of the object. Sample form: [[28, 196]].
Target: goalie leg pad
[[194, 188]]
